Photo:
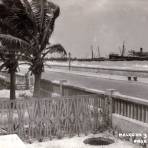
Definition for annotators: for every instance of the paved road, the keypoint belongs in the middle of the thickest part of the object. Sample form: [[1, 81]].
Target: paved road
[[134, 89]]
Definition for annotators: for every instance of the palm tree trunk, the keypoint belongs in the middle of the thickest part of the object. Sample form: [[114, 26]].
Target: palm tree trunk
[[37, 80], [12, 85]]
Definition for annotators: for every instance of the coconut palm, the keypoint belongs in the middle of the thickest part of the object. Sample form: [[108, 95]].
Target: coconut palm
[[34, 26]]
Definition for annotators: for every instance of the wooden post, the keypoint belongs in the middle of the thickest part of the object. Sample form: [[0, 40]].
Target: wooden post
[[69, 60]]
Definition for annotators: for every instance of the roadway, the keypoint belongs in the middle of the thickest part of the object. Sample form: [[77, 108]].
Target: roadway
[[130, 88]]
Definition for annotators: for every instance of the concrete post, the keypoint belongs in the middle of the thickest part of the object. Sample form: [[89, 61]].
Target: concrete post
[[96, 113], [61, 86], [27, 80], [109, 106]]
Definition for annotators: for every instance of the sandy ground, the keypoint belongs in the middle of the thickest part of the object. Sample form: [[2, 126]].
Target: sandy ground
[[77, 142], [5, 94]]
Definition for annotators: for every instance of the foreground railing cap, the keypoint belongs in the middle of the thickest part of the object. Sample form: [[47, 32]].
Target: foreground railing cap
[[11, 141]]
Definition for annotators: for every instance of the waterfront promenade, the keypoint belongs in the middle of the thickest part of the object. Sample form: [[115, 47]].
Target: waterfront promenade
[[130, 88]]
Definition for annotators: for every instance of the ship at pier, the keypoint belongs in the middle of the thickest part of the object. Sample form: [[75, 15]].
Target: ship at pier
[[131, 56]]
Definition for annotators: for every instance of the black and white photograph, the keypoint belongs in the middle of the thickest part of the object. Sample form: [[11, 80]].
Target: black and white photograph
[[73, 74]]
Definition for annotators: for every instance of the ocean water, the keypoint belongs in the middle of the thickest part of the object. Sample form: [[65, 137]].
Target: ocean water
[[128, 64]]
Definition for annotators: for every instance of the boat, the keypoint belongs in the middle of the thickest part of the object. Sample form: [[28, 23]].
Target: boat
[[132, 55]]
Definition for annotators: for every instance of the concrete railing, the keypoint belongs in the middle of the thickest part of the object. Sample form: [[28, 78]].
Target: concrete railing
[[124, 114], [131, 107]]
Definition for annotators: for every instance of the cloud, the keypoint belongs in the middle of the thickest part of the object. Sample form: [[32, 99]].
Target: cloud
[[102, 4], [84, 4]]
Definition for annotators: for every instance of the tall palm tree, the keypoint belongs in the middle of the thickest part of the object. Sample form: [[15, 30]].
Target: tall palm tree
[[34, 26]]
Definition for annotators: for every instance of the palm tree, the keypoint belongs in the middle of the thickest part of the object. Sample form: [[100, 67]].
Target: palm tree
[[10, 62], [33, 22], [10, 43]]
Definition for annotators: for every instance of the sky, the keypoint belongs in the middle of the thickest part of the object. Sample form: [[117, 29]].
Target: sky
[[101, 23]]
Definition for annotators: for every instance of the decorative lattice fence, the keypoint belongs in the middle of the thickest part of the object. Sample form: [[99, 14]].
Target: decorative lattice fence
[[52, 117]]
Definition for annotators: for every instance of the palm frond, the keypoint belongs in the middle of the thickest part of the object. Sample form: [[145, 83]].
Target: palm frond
[[8, 3], [55, 10], [57, 48], [25, 63], [27, 6], [12, 41], [42, 13], [18, 19], [6, 27], [36, 8], [2, 53], [2, 66], [30, 13], [47, 33]]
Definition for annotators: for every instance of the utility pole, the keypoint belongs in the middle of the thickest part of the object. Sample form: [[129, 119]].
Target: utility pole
[[69, 60]]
